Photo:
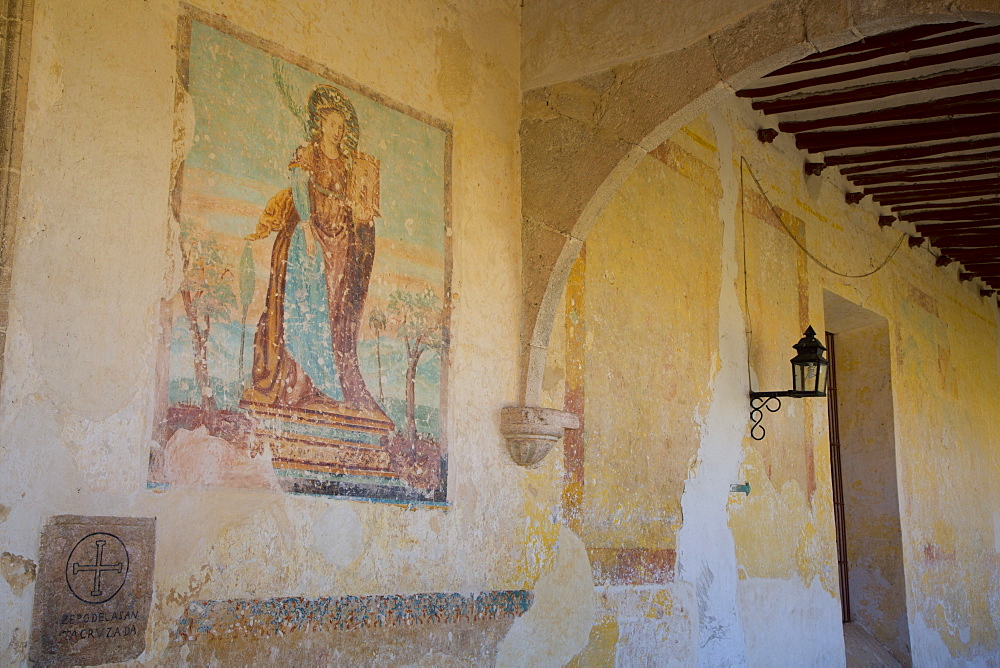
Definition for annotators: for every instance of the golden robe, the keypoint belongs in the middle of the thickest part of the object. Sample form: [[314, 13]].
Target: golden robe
[[343, 203]]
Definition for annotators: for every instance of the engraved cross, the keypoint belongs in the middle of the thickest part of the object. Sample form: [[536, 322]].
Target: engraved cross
[[97, 567]]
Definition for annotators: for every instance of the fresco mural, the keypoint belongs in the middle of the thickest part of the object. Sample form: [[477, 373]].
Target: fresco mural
[[306, 346]]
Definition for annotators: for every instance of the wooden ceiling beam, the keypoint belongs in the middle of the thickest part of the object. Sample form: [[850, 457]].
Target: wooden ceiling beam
[[987, 209], [898, 66], [899, 135], [936, 202], [877, 91], [971, 254], [945, 160], [967, 241], [983, 266], [988, 185], [918, 198], [918, 176], [983, 262], [889, 155], [960, 255], [930, 228], [972, 103], [966, 214], [936, 162], [899, 41], [935, 199]]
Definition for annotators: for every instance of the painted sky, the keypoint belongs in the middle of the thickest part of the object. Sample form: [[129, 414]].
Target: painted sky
[[245, 130], [245, 135]]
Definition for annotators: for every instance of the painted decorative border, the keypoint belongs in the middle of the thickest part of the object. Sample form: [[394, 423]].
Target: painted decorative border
[[276, 616]]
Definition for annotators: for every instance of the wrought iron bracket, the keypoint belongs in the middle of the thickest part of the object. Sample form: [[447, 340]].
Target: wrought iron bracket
[[759, 401]]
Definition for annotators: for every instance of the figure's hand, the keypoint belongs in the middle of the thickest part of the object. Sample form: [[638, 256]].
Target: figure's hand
[[310, 238]]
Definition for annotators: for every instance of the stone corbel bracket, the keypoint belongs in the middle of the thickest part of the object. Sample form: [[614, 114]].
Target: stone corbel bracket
[[531, 431]]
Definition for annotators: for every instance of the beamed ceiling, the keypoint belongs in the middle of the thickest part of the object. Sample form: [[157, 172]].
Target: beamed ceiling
[[911, 119]]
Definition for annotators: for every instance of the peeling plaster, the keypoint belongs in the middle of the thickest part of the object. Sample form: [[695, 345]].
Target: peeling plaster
[[706, 550], [811, 617], [658, 625], [18, 571], [91, 270], [558, 624], [93, 442], [455, 73]]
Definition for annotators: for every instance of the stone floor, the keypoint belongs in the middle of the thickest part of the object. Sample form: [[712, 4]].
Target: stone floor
[[863, 651]]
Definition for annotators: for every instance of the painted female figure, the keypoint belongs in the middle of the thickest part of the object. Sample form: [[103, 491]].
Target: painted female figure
[[306, 344]]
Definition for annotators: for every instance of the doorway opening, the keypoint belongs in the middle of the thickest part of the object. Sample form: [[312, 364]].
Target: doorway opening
[[863, 467]]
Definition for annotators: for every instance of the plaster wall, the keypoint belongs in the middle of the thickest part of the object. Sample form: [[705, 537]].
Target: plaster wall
[[95, 256], [563, 40], [939, 393], [660, 290], [94, 259]]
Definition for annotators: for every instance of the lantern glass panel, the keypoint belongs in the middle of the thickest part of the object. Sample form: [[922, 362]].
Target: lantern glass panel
[[800, 373], [822, 378], [809, 378]]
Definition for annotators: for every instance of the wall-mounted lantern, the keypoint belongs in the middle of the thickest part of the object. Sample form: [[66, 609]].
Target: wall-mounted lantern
[[809, 375]]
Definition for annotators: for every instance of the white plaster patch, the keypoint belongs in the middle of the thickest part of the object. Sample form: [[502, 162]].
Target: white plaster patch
[[337, 534], [22, 379], [422, 529], [98, 446], [46, 76], [808, 614], [929, 649], [648, 635], [558, 624], [706, 550]]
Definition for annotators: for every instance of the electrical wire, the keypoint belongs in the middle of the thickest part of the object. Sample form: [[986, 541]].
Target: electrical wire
[[746, 298], [774, 210]]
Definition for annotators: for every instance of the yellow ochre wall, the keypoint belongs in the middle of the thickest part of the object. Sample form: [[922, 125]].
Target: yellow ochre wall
[[93, 263], [663, 272], [645, 558]]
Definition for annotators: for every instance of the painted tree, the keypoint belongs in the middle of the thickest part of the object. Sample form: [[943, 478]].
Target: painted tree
[[415, 318], [378, 321], [247, 280], [207, 295]]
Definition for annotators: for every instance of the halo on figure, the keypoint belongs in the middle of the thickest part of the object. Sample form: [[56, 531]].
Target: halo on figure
[[322, 101]]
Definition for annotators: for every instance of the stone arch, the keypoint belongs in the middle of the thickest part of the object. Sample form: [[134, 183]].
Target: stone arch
[[581, 139]]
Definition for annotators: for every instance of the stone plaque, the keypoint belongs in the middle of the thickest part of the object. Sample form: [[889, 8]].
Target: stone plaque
[[94, 589]]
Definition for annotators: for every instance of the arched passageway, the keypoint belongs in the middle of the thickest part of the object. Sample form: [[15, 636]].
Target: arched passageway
[[581, 139]]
